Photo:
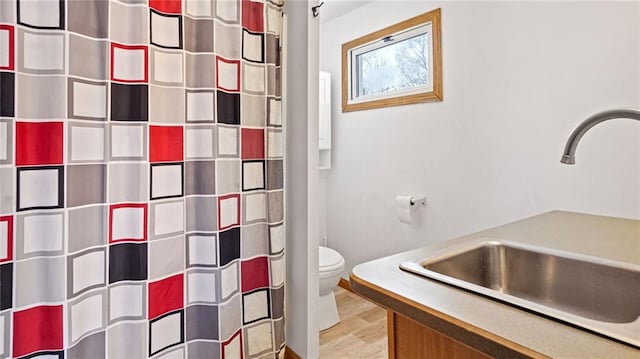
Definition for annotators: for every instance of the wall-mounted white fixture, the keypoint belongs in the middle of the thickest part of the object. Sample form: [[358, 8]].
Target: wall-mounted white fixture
[[324, 126], [405, 206], [418, 200]]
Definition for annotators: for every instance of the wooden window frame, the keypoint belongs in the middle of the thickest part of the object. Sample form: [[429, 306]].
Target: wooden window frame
[[432, 17]]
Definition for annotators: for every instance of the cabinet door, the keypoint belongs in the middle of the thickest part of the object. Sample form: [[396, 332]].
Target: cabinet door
[[411, 340], [324, 102]]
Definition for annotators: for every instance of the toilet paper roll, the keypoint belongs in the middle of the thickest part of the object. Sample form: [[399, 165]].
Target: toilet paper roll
[[403, 208]]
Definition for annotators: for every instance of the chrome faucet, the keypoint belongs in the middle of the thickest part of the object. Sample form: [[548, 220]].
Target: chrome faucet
[[568, 157]]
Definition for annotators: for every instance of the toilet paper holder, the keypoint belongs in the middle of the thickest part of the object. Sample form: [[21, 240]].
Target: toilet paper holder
[[418, 200]]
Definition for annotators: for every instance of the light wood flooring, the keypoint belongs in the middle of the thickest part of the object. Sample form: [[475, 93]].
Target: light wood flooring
[[361, 333]]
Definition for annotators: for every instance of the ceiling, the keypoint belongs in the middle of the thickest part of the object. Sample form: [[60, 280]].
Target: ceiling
[[335, 8]]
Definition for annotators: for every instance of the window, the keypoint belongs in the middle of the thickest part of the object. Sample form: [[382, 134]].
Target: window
[[398, 65]]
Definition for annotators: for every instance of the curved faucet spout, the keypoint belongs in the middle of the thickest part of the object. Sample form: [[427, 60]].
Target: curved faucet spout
[[568, 157]]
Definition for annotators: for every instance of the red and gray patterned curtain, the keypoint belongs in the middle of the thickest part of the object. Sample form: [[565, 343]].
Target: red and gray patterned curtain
[[141, 179]]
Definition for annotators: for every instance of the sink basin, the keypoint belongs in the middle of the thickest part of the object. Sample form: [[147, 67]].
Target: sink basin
[[590, 292]]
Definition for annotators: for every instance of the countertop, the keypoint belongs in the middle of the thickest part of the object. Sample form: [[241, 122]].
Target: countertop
[[499, 329]]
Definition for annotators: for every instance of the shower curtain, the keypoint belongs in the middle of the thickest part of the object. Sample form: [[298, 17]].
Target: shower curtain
[[141, 179]]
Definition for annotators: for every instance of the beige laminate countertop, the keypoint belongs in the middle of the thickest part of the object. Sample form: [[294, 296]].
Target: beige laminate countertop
[[478, 321]]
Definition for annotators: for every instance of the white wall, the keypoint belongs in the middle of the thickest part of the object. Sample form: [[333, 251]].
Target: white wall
[[518, 77], [301, 178]]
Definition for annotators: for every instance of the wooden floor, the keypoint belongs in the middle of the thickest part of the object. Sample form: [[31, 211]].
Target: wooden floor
[[361, 333]]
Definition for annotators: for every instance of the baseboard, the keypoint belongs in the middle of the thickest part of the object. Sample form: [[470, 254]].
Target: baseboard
[[290, 354], [344, 284]]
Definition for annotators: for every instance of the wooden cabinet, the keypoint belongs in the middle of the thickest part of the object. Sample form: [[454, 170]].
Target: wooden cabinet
[[411, 340]]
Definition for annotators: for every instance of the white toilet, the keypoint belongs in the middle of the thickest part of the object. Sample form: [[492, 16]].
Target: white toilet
[[331, 267]]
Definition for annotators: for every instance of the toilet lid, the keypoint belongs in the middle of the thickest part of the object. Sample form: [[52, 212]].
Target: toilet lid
[[329, 259]]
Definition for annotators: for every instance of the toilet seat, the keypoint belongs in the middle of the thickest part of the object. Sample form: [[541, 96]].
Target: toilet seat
[[329, 261]]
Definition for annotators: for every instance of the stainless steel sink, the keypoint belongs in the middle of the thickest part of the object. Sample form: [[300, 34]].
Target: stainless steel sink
[[590, 292]]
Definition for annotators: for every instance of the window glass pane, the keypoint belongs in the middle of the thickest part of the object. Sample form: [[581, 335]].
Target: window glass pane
[[397, 66]]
